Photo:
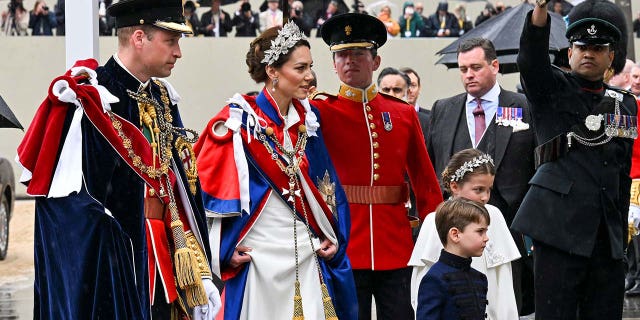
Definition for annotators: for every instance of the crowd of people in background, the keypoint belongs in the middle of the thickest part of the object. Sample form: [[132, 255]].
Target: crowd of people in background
[[246, 21], [511, 217]]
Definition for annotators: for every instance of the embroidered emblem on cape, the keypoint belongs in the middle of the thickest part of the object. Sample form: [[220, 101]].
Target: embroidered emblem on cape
[[188, 157], [328, 191], [493, 257]]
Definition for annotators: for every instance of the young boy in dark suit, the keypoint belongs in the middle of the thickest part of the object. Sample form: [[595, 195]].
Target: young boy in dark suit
[[452, 289]]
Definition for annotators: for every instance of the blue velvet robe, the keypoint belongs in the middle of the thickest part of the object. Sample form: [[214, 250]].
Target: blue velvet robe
[[89, 264]]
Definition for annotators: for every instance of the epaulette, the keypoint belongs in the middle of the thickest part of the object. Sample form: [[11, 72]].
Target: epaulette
[[392, 97], [317, 95], [622, 91], [625, 91]]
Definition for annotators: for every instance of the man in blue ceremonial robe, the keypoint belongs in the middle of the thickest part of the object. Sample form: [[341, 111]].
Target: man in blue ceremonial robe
[[120, 231]]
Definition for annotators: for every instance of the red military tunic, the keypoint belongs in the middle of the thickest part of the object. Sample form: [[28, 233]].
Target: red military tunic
[[374, 141], [634, 174]]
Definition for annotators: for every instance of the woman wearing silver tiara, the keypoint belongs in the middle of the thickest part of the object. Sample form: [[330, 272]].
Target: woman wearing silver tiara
[[469, 175], [280, 219]]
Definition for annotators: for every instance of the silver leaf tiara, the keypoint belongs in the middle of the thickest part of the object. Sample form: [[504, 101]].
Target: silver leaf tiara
[[286, 39], [470, 165]]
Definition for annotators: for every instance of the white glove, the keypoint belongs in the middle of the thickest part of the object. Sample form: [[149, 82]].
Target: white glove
[[634, 215], [210, 310]]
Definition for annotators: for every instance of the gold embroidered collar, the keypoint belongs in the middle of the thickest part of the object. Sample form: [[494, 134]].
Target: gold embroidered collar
[[357, 94]]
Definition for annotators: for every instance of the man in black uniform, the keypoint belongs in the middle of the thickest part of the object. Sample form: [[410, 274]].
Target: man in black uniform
[[576, 208]]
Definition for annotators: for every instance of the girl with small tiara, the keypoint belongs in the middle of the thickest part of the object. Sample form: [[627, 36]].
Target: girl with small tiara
[[470, 175]]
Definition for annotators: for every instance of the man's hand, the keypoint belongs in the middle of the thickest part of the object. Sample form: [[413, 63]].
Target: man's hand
[[539, 16], [240, 256], [210, 310], [327, 250]]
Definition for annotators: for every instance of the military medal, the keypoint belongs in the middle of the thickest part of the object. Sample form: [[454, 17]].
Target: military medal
[[622, 126], [511, 117], [593, 122], [608, 129], [386, 118]]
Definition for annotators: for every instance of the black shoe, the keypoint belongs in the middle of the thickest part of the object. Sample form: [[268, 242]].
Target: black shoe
[[629, 283], [633, 292]]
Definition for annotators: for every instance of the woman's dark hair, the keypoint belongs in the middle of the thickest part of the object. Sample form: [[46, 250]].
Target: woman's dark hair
[[257, 69]]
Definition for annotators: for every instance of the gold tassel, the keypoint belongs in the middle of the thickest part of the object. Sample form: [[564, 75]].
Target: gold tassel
[[196, 295], [187, 277], [633, 231], [298, 312], [185, 274], [329, 310]]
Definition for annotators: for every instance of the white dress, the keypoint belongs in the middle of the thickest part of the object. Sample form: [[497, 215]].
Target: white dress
[[269, 289], [495, 263]]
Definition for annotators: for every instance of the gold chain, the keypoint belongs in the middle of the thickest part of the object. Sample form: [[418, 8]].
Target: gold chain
[[185, 260], [290, 170]]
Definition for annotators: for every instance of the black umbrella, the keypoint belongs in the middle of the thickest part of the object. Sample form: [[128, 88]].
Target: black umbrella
[[504, 31], [7, 118], [566, 6], [207, 3]]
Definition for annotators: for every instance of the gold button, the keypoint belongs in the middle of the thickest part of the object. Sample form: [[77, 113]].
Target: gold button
[[376, 176], [141, 21], [374, 135], [376, 166], [370, 116], [200, 265], [376, 155], [376, 145], [367, 108], [152, 192], [372, 125]]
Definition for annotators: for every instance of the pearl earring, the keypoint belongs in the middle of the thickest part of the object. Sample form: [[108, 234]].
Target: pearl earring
[[275, 82]]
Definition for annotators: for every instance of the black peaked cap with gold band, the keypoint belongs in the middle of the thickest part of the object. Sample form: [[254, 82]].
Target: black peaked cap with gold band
[[353, 30], [165, 14], [600, 22]]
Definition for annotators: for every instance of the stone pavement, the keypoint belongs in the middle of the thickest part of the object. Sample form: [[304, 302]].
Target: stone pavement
[[16, 272]]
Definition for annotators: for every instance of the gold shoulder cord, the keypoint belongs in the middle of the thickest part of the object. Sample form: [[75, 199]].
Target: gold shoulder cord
[[188, 274], [634, 200]]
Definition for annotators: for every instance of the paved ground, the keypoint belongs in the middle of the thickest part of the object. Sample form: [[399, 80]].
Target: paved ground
[[16, 271]]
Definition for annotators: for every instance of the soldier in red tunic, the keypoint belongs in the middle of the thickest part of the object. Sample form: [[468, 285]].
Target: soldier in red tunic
[[375, 141]]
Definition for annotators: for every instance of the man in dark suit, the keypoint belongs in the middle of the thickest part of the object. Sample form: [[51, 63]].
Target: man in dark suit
[[412, 98], [495, 121], [576, 209], [215, 22]]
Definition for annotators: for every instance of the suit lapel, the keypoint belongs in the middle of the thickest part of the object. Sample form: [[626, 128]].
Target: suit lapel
[[503, 133], [451, 121]]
